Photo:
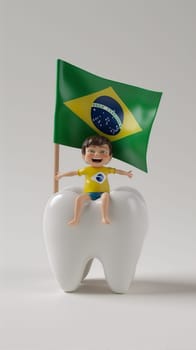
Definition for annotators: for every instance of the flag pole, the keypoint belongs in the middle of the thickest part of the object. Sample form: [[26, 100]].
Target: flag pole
[[56, 166]]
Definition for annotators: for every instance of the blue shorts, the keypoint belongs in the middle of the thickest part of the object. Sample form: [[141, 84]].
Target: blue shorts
[[95, 195]]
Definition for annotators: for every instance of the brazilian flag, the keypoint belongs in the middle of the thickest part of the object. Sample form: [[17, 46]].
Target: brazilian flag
[[87, 104]]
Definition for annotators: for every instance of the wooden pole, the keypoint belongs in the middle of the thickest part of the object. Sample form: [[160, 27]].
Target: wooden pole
[[56, 166]]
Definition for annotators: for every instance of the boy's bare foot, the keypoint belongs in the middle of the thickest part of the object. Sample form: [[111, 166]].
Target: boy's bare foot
[[105, 221], [73, 222]]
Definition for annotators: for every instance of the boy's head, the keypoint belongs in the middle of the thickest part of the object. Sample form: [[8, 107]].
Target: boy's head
[[97, 150]]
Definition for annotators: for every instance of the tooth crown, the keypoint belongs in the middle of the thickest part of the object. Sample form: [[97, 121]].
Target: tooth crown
[[117, 245]]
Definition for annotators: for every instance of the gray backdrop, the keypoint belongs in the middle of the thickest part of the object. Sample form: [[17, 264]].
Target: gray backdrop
[[150, 44]]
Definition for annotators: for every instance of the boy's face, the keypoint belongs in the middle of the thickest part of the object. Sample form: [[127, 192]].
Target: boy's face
[[97, 156]]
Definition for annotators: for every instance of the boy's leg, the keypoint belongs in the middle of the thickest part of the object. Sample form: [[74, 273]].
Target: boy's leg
[[78, 208], [105, 198]]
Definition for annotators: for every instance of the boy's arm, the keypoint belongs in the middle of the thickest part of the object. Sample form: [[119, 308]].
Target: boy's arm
[[123, 172], [69, 173]]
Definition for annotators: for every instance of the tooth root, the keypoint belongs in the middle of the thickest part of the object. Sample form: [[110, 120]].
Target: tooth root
[[120, 265], [67, 264], [119, 274], [70, 271], [87, 269], [120, 259], [67, 268], [118, 283], [71, 276]]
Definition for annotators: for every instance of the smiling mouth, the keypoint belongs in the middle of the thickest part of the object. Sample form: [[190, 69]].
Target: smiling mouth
[[97, 160]]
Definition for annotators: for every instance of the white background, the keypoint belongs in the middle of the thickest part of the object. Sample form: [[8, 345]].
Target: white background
[[150, 44]]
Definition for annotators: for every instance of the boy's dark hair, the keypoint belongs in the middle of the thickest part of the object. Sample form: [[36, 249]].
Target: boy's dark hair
[[96, 140]]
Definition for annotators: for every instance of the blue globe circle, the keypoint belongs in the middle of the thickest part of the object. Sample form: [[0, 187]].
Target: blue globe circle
[[107, 115], [100, 177]]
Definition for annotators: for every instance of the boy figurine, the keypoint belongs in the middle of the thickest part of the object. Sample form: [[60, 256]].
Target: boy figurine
[[97, 152]]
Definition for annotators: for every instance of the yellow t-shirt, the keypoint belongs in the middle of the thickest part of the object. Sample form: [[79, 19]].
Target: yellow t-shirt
[[96, 179]]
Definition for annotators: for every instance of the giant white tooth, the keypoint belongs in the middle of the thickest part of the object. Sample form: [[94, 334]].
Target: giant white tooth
[[118, 245]]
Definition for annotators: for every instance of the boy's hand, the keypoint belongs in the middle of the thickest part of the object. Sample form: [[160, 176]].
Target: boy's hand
[[69, 173], [124, 172], [129, 173], [58, 177]]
